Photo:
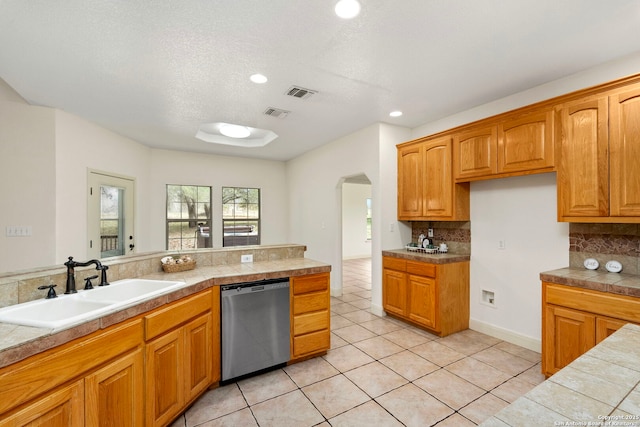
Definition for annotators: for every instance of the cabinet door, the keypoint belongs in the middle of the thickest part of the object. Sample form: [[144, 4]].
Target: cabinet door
[[114, 394], [164, 369], [410, 181], [624, 145], [198, 336], [567, 335], [605, 326], [61, 408], [583, 170], [422, 300], [475, 153], [438, 179], [525, 143], [394, 292]]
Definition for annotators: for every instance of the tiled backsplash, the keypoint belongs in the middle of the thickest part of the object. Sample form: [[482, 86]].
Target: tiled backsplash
[[605, 242], [22, 286], [456, 234]]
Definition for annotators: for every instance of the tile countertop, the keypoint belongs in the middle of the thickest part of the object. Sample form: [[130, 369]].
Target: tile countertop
[[599, 388], [614, 283], [446, 258], [19, 342]]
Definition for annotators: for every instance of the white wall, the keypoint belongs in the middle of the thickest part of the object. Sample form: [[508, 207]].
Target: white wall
[[314, 181], [521, 212], [354, 220], [27, 182], [174, 167], [82, 145]]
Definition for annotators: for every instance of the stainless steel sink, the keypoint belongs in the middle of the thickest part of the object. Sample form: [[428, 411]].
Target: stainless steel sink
[[70, 310]]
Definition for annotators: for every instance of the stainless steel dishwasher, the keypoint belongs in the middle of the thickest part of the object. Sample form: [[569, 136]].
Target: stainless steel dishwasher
[[255, 326]]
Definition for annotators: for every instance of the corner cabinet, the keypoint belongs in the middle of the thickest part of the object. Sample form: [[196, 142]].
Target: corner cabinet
[[599, 149], [433, 296], [576, 319], [426, 190], [310, 315]]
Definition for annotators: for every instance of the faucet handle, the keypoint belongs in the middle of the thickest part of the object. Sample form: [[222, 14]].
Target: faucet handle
[[87, 282], [103, 275], [51, 293]]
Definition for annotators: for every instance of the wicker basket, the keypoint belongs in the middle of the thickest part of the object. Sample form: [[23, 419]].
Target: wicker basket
[[174, 268]]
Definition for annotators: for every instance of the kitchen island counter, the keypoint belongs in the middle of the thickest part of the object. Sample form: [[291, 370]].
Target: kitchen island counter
[[600, 388]]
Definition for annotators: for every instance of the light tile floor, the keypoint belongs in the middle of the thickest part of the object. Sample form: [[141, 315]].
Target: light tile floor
[[379, 372]]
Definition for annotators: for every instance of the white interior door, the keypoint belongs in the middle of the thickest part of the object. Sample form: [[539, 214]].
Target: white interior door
[[111, 215]]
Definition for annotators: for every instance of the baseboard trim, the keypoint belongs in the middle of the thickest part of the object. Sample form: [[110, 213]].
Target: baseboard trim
[[525, 341]]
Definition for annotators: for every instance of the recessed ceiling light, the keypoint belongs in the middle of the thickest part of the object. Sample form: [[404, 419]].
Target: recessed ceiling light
[[347, 9], [395, 113], [258, 78], [235, 131]]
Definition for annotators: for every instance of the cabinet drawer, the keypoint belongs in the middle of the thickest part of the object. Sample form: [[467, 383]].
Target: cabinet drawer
[[421, 269], [611, 305], [310, 322], [311, 283], [394, 263], [311, 343], [177, 313], [310, 302]]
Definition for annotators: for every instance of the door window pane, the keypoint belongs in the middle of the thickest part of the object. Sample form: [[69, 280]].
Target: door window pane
[[240, 216]]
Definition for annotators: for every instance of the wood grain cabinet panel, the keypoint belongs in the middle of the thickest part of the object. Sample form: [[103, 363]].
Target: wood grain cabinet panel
[[433, 296], [178, 356], [624, 145], [525, 143], [114, 393], [583, 172], [310, 315], [569, 334], [426, 190], [62, 408], [576, 319], [476, 152]]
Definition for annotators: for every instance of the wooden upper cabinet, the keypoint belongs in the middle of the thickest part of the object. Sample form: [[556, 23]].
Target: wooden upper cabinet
[[410, 168], [475, 153], [583, 170], [426, 190], [525, 143], [624, 152]]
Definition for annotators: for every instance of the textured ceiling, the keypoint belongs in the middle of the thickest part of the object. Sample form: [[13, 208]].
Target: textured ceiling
[[155, 70]]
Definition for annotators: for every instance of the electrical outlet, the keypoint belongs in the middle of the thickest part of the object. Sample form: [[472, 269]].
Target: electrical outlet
[[18, 231], [430, 232], [246, 258]]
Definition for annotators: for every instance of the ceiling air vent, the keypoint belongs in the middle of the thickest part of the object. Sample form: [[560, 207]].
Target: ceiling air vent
[[276, 112], [300, 92]]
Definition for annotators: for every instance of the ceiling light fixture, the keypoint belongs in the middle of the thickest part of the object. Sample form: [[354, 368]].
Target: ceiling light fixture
[[347, 9], [235, 131], [395, 113], [258, 78]]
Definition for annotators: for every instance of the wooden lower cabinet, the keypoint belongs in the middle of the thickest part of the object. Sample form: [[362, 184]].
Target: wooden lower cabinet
[[433, 296], [62, 408], [178, 359], [310, 315], [575, 320]]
